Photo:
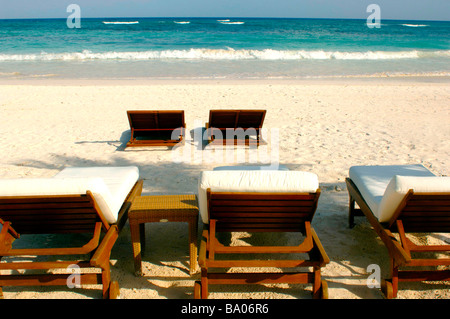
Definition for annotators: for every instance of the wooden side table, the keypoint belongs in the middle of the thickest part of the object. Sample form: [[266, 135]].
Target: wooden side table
[[162, 208]]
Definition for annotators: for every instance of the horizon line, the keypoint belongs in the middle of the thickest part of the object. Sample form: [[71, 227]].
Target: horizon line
[[224, 17]]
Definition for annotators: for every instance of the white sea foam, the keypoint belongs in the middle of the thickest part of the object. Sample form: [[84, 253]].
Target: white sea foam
[[232, 22], [227, 54], [415, 25], [182, 22], [120, 22]]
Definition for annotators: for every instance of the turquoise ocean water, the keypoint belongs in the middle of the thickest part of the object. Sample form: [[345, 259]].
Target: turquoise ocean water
[[220, 48]]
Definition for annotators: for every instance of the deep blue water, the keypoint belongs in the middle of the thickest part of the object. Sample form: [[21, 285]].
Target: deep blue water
[[221, 48]]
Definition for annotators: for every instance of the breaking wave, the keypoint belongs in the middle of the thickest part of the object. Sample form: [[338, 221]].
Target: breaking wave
[[227, 54]]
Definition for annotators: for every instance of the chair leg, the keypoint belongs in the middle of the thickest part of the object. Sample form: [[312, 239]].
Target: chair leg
[[142, 237], [323, 289], [316, 283], [197, 290], [394, 280], [204, 284], [1, 290], [106, 281], [193, 229], [136, 241], [351, 213], [114, 291], [386, 289], [389, 287]]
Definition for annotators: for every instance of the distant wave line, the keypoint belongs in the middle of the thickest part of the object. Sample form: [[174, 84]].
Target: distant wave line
[[226, 54], [120, 22], [415, 25], [232, 22]]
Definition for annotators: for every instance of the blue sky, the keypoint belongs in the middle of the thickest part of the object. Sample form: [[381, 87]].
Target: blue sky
[[347, 9]]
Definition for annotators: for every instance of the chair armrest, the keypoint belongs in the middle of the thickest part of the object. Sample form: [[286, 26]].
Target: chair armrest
[[396, 251], [103, 252], [7, 236], [323, 257]]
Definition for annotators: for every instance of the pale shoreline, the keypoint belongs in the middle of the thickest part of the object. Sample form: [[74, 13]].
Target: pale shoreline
[[337, 80], [325, 126]]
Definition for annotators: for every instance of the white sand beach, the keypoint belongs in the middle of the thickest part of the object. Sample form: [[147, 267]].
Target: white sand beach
[[324, 126]]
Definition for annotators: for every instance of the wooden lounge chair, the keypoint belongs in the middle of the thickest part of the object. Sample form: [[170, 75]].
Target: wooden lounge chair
[[96, 207], [258, 206], [156, 128], [235, 127], [403, 199]]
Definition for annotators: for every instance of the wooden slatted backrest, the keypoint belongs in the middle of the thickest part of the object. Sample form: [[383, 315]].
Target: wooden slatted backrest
[[222, 119], [141, 120], [245, 119], [171, 119], [251, 119], [50, 214], [261, 212], [424, 212]]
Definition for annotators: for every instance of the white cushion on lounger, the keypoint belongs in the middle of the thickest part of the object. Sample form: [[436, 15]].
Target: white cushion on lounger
[[61, 186], [372, 181], [118, 180], [400, 185], [253, 181]]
